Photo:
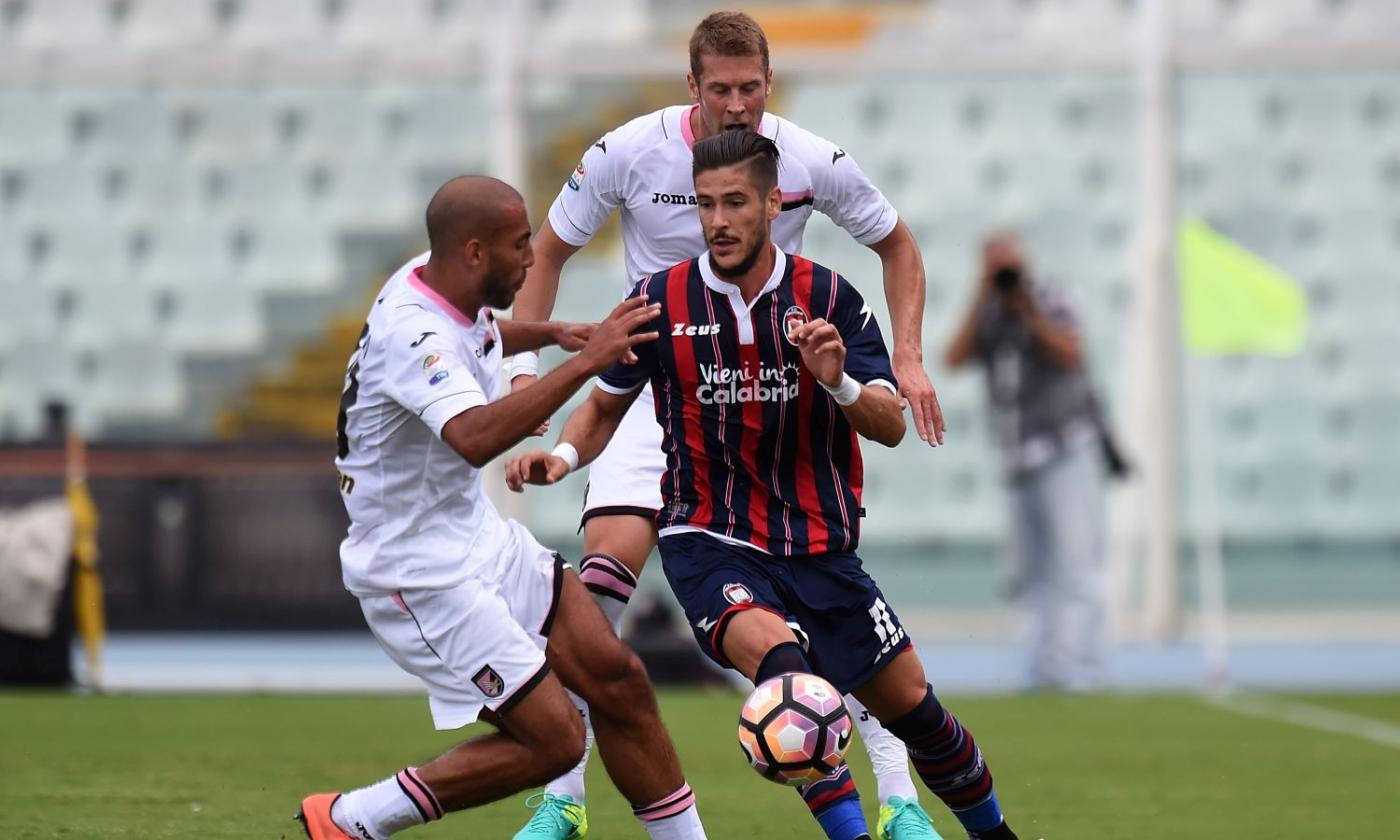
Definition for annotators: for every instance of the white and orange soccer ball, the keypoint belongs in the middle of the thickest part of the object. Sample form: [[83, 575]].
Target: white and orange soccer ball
[[794, 729]]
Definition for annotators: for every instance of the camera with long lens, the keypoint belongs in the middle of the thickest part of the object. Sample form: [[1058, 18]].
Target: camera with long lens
[[1007, 279]]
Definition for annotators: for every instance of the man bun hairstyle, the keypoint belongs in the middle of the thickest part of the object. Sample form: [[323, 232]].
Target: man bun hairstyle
[[736, 147], [733, 34]]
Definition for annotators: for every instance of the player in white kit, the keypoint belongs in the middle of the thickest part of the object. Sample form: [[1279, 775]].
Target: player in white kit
[[643, 170], [493, 623]]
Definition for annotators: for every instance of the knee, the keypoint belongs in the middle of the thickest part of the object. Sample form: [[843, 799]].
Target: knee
[[562, 747], [617, 679]]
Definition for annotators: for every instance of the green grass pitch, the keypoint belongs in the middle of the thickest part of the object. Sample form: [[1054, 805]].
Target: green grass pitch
[[1067, 768]]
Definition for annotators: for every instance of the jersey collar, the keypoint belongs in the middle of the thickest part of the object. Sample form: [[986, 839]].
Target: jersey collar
[[415, 279], [724, 287], [765, 126]]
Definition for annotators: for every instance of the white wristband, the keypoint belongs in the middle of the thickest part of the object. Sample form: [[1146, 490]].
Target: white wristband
[[568, 453], [526, 363], [847, 392]]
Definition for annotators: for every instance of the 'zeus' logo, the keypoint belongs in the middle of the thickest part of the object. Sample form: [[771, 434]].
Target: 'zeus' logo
[[703, 329]]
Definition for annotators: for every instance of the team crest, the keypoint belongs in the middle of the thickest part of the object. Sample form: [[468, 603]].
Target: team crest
[[737, 593], [489, 681], [576, 178], [793, 318]]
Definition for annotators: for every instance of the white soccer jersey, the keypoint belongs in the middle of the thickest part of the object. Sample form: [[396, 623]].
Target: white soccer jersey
[[419, 518], [643, 170]]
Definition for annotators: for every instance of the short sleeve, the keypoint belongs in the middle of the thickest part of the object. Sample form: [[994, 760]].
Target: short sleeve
[[841, 190], [867, 358], [624, 379], [425, 374], [590, 195]]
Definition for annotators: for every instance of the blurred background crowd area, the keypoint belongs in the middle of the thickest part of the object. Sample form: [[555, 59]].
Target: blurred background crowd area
[[198, 197]]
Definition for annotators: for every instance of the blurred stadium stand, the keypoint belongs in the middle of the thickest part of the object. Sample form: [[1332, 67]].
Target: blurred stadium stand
[[197, 195]]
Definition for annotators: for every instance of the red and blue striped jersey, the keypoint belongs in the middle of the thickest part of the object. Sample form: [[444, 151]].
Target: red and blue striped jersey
[[756, 450]]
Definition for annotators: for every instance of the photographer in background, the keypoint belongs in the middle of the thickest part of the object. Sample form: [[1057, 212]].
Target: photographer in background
[[1047, 425]]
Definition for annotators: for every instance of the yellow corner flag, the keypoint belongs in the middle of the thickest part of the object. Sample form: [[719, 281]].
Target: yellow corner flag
[[88, 607], [1233, 301]]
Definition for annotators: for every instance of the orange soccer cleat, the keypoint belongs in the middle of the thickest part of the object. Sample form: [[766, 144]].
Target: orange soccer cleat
[[315, 817]]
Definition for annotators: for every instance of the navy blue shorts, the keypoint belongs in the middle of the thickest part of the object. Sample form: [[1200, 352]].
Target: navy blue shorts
[[838, 613]]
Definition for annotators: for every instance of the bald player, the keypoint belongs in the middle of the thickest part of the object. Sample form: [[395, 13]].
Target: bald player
[[492, 622]]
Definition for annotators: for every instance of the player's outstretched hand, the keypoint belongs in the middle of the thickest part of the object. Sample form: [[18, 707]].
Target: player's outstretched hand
[[536, 467], [823, 351], [918, 394], [614, 338]]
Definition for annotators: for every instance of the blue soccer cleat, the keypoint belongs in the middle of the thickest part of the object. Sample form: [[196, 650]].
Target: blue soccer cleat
[[904, 819], [556, 818]]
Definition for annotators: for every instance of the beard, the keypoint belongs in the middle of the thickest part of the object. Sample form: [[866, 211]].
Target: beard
[[742, 267], [498, 292]]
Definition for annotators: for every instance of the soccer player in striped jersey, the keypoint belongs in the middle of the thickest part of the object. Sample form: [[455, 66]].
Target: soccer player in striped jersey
[[642, 170], [767, 368]]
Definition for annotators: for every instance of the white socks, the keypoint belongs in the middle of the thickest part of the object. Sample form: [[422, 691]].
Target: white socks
[[571, 783], [385, 808], [672, 817], [889, 757]]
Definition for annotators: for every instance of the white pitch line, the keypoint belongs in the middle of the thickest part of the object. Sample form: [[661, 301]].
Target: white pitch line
[[1310, 716]]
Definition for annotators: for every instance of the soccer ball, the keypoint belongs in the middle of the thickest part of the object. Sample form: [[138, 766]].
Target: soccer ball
[[794, 729]]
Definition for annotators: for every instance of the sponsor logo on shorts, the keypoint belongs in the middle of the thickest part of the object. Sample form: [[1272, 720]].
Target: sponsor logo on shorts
[[489, 681], [737, 593], [793, 318]]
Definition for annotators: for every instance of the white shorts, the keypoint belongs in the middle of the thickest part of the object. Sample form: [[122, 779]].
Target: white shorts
[[480, 643], [626, 477]]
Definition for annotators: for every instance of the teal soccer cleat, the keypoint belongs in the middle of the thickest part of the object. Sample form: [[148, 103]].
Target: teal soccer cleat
[[903, 819], [556, 818]]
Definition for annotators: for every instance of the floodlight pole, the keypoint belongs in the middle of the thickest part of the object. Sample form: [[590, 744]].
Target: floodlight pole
[[503, 70], [1153, 397]]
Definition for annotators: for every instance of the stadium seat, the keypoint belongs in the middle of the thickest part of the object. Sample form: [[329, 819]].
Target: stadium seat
[[135, 379], [438, 125], [290, 257], [128, 126], [55, 193], [95, 253], [330, 123], [219, 124], [371, 23], [265, 189], [29, 313], [264, 24], [33, 127], [187, 253], [166, 25], [213, 320], [67, 25], [106, 314]]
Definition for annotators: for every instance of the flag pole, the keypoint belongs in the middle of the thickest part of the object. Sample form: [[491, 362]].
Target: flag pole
[[1210, 565]]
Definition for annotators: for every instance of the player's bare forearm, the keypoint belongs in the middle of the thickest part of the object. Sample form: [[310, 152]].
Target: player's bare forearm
[[535, 300], [903, 269], [519, 336], [595, 422], [904, 291], [877, 415], [483, 433]]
